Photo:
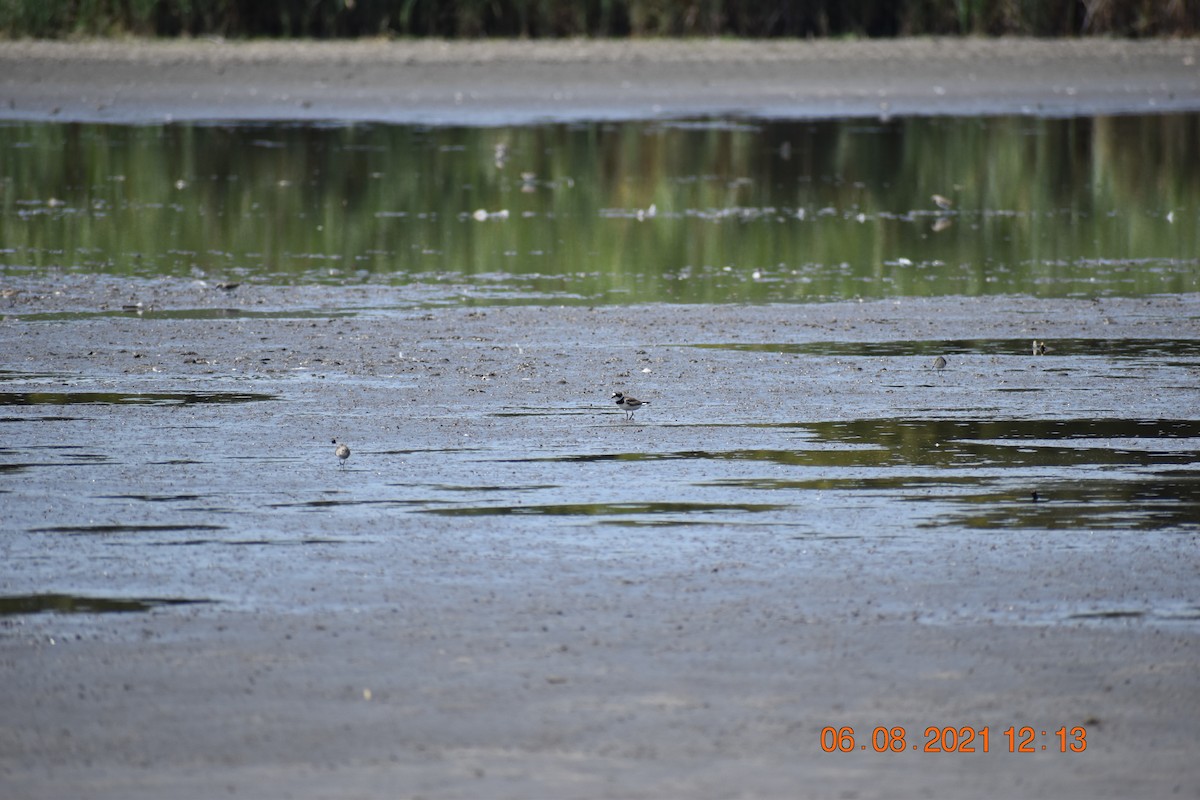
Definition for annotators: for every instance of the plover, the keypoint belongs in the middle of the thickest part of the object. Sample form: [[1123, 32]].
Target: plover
[[342, 452], [939, 363], [1039, 348], [628, 404]]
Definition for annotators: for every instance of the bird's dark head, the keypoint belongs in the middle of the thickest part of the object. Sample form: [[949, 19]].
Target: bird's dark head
[[618, 396]]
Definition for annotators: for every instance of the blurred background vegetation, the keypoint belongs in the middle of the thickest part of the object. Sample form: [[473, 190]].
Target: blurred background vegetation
[[600, 18]]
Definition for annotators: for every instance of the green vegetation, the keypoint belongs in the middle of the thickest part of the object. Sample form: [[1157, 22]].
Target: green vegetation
[[562, 18], [752, 212]]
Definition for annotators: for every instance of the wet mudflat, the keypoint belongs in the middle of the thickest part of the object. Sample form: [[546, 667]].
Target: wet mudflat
[[510, 590], [860, 497]]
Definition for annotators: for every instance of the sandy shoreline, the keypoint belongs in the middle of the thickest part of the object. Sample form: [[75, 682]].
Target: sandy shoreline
[[512, 82]]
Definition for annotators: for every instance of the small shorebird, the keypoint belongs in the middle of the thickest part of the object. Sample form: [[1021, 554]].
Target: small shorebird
[[1039, 348], [941, 202], [342, 452], [628, 404], [939, 363]]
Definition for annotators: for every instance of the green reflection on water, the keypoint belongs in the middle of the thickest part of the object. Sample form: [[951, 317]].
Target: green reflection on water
[[1133, 474], [955, 444], [1137, 502], [1015, 444], [602, 509], [633, 212]]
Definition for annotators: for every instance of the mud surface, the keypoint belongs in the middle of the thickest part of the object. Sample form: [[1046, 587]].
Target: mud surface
[[503, 82], [510, 591]]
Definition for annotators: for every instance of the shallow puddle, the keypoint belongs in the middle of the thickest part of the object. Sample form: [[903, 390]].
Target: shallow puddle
[[649, 510], [183, 313], [1138, 502], [16, 605], [1100, 348], [953, 444], [119, 528], [128, 398], [1065, 474]]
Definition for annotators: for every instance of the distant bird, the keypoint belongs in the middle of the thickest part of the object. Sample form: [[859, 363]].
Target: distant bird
[[939, 363], [342, 452], [1039, 348], [942, 202], [628, 404]]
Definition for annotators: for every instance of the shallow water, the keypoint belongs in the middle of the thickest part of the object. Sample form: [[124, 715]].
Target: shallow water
[[67, 604], [695, 212]]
